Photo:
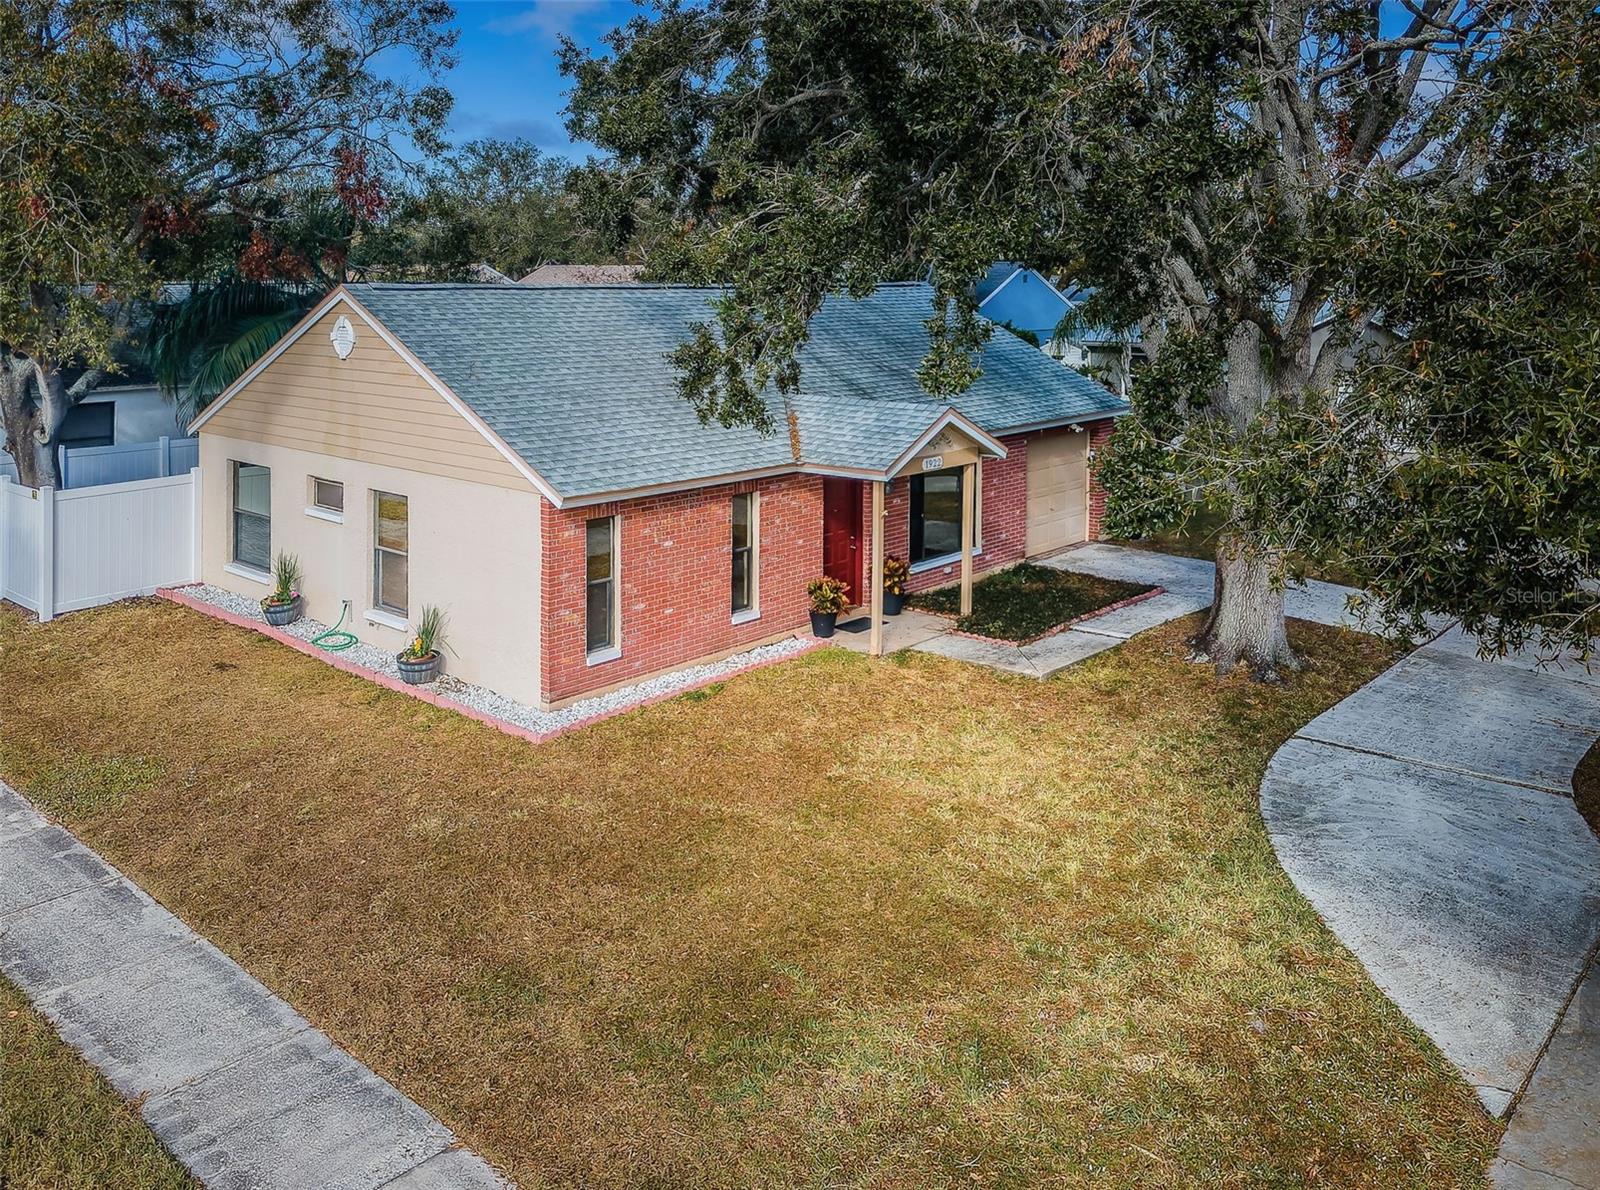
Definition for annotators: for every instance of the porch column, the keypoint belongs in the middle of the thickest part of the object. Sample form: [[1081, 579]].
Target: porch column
[[969, 483], [876, 646]]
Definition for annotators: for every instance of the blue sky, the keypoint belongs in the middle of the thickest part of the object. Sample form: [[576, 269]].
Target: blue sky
[[507, 83]]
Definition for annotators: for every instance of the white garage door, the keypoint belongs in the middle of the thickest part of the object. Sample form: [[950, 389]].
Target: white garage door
[[1058, 490]]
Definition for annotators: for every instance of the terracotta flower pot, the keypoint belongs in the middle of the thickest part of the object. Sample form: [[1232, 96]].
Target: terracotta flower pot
[[415, 671], [280, 615]]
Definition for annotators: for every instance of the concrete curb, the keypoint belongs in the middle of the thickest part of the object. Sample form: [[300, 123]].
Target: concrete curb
[[240, 1087]]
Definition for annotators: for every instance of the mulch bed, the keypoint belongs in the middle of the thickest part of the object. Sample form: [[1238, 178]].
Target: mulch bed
[[1027, 602]]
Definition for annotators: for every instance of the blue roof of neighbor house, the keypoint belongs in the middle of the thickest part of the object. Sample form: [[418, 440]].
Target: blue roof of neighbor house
[[576, 381]]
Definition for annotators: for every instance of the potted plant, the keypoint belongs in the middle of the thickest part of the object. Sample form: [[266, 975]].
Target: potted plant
[[423, 658], [827, 601], [284, 606], [896, 572]]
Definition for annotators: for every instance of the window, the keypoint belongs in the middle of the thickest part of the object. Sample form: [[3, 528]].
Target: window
[[390, 541], [327, 495], [744, 552], [89, 425], [252, 516], [935, 514], [601, 596]]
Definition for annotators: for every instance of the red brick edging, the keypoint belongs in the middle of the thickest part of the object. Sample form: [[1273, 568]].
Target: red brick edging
[[1061, 627], [176, 595]]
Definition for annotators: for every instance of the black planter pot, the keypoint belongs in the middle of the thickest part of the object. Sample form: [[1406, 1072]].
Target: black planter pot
[[280, 615], [822, 624], [414, 672], [893, 604]]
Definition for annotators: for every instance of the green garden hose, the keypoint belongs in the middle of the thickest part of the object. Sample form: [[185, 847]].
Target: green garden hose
[[333, 640]]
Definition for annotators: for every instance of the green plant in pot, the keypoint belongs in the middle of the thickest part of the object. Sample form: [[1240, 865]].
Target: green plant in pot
[[828, 599], [896, 573], [284, 606], [423, 659]]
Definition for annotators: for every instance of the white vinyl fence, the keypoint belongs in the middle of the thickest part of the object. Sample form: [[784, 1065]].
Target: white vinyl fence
[[86, 466], [61, 551]]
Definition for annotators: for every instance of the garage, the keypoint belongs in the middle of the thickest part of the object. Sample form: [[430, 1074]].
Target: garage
[[1058, 490]]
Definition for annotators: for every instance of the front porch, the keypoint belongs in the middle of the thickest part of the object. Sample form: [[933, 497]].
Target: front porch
[[936, 477]]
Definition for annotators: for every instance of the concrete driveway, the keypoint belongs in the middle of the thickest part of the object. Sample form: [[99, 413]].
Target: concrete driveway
[[1429, 819]]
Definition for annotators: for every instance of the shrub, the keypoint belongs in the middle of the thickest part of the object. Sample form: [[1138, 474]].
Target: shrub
[[285, 579], [827, 595], [896, 573], [430, 635]]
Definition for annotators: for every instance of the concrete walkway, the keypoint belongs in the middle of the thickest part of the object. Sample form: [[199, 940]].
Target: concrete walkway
[[1189, 587], [1429, 819], [235, 1082]]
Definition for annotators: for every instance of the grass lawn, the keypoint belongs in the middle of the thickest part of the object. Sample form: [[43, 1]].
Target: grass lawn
[[1025, 600], [62, 1127], [840, 921]]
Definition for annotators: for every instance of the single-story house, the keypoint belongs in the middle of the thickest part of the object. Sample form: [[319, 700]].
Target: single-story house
[[490, 449]]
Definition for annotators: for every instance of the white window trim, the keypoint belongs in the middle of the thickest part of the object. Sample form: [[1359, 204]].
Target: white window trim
[[612, 651], [248, 572], [753, 612], [233, 565], [941, 560], [376, 615], [935, 563], [321, 511], [374, 549]]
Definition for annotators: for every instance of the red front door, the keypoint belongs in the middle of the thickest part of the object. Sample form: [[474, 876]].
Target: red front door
[[841, 533]]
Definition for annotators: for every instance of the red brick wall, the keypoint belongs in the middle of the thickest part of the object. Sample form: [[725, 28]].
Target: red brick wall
[[1003, 513], [674, 570], [1099, 432]]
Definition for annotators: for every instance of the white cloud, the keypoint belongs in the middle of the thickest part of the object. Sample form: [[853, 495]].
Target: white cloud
[[547, 19]]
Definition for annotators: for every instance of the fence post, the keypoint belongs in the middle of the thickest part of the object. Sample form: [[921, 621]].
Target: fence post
[[195, 506], [47, 554], [5, 530], [66, 467], [164, 458]]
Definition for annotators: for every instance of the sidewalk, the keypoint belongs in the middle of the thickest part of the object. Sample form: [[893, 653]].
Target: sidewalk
[[238, 1085], [1429, 820]]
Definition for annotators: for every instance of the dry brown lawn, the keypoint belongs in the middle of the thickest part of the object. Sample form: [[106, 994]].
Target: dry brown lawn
[[834, 922]]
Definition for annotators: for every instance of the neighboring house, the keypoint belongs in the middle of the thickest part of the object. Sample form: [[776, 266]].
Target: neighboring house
[[490, 450], [1026, 300], [584, 274], [122, 411], [487, 274]]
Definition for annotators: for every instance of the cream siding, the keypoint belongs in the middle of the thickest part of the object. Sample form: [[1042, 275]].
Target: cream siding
[[473, 550], [372, 407], [371, 423]]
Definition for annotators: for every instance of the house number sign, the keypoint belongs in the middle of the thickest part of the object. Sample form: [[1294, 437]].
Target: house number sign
[[933, 463]]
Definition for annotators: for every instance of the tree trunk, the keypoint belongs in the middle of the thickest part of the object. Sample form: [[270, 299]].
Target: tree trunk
[[34, 400], [1246, 621]]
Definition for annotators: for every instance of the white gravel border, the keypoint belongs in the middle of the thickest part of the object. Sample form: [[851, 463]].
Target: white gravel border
[[498, 706]]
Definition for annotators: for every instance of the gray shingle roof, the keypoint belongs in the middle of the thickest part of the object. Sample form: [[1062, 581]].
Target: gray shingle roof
[[576, 380]]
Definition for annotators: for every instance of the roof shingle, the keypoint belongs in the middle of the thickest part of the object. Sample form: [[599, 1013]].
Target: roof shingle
[[576, 380]]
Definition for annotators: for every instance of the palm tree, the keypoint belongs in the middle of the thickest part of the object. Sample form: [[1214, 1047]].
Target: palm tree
[[201, 344]]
